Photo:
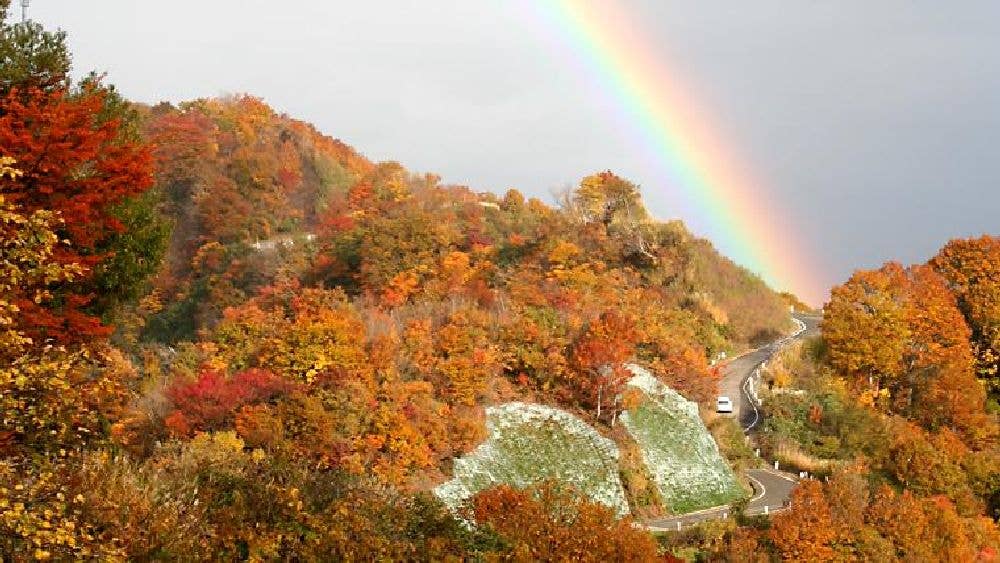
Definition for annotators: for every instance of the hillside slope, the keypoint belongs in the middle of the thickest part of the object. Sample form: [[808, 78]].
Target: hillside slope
[[295, 255], [233, 173]]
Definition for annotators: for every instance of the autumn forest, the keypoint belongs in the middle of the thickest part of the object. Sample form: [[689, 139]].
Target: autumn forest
[[225, 335]]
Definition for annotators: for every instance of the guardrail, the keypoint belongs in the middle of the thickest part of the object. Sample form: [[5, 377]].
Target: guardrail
[[750, 383]]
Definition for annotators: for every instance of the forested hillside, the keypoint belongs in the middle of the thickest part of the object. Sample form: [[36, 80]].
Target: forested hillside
[[229, 335]]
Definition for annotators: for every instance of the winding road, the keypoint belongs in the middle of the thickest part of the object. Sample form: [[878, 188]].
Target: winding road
[[772, 489]]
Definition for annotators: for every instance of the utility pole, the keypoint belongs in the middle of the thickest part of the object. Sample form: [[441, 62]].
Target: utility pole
[[24, 10]]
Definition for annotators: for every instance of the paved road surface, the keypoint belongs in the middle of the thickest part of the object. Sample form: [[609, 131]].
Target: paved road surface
[[734, 374], [772, 489]]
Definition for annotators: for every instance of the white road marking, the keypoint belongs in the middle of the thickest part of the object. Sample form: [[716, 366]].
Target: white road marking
[[777, 474], [763, 490], [756, 372], [746, 391]]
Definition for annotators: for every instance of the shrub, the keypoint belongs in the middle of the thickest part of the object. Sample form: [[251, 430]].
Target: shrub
[[210, 401]]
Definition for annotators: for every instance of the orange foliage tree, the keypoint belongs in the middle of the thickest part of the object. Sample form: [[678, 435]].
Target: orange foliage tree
[[865, 324], [843, 521], [366, 402], [902, 330], [805, 533], [972, 269], [547, 523]]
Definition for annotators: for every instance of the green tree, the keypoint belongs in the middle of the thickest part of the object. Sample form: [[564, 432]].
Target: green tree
[[133, 254], [31, 56]]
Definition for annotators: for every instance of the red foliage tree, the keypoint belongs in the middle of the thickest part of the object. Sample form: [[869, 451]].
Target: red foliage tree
[[185, 150], [600, 354], [212, 399], [77, 164]]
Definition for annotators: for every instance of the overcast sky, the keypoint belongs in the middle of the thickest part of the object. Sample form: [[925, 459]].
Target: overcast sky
[[877, 124]]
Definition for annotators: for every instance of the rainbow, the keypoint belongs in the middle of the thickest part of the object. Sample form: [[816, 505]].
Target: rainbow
[[731, 206]]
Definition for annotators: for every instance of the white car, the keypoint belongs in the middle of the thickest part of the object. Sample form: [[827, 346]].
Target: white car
[[724, 405]]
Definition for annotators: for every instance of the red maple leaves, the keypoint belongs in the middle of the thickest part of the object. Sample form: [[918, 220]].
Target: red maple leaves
[[75, 162]]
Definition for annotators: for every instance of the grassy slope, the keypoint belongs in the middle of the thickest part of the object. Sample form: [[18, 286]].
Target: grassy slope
[[533, 443], [680, 453]]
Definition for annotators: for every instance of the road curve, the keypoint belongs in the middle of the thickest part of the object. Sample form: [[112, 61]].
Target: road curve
[[772, 489]]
